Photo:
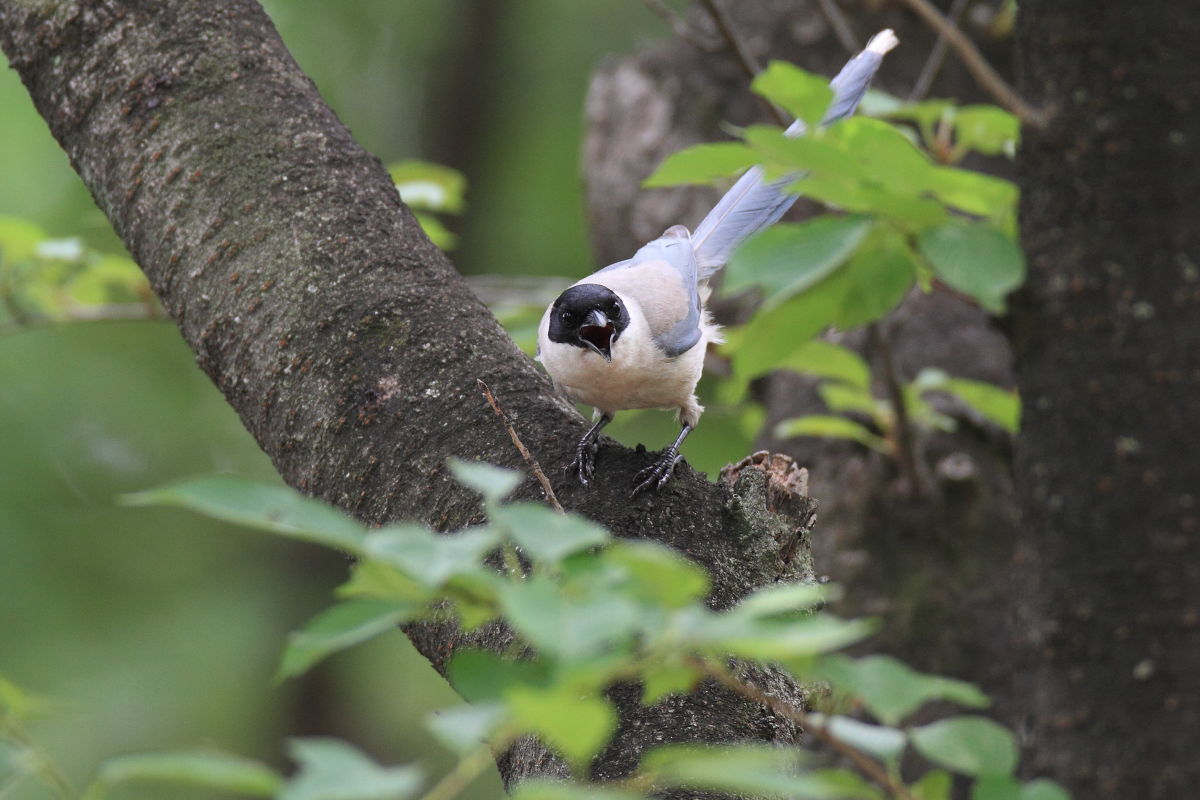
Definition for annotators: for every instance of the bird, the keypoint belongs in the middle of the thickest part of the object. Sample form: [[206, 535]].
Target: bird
[[634, 334]]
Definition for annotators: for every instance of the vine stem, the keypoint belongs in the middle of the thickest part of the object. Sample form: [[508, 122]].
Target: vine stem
[[977, 65], [864, 763]]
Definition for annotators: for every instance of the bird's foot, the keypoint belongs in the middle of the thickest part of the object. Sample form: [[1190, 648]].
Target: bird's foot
[[583, 466], [655, 476]]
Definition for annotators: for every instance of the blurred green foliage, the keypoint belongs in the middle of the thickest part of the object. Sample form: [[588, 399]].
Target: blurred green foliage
[[588, 610]]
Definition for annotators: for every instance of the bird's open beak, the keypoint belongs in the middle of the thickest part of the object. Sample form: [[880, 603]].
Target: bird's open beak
[[598, 333]]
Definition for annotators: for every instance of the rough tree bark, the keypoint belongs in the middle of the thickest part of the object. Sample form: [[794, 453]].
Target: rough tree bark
[[343, 338], [1108, 363]]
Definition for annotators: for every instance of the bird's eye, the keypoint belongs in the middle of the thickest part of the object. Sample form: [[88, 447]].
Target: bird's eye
[[615, 310], [567, 316]]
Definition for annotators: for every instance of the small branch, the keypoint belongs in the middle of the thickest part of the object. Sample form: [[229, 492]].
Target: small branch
[[551, 498], [977, 65], [864, 763], [744, 58], [841, 26], [680, 26], [937, 56], [44, 768], [902, 430], [458, 779]]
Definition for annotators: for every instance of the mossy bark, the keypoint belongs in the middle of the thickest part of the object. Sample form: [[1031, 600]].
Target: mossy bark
[[343, 338]]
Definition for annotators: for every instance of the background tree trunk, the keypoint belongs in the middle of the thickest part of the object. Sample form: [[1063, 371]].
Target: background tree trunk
[[1108, 363], [343, 338]]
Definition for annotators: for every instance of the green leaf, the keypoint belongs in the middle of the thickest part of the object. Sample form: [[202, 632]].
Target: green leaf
[[934, 785], [702, 163], [342, 627], [438, 233], [1043, 789], [976, 193], [867, 287], [830, 361], [660, 680], [786, 259], [767, 639], [429, 187], [494, 483], [1003, 787], [266, 507], [988, 129], [891, 690], [567, 626], [996, 787], [335, 770], [463, 728], [545, 535], [16, 704], [575, 726], [19, 238], [658, 574], [747, 770], [842, 399], [977, 260], [826, 426], [880, 741], [481, 675], [1001, 406], [804, 95], [207, 770], [431, 559], [377, 580], [970, 745], [780, 598], [925, 113], [546, 789]]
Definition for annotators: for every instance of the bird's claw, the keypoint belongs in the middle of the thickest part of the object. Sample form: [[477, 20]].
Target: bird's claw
[[655, 476], [583, 466]]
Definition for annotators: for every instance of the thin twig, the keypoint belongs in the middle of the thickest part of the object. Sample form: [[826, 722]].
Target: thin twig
[[680, 26], [865, 764], [937, 55], [744, 58], [977, 65], [551, 498], [841, 26], [458, 779], [902, 431], [44, 768]]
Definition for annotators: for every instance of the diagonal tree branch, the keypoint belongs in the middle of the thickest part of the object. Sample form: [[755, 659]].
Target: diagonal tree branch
[[342, 337]]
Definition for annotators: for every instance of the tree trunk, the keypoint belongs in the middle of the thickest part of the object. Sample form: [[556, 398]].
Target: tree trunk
[[343, 338], [1108, 364]]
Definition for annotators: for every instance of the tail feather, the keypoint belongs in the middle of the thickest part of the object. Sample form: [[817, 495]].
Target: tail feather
[[754, 204]]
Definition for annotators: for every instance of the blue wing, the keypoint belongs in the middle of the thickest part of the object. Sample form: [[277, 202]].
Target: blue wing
[[753, 204]]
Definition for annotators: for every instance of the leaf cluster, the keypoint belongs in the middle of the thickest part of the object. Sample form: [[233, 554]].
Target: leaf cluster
[[586, 611]]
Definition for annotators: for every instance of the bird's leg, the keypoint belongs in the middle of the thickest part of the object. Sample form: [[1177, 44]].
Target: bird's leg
[[655, 475], [584, 464]]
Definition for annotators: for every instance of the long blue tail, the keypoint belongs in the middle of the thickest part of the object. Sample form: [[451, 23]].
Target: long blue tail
[[753, 204]]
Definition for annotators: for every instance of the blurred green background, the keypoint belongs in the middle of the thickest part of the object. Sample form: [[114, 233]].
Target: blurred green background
[[152, 629]]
